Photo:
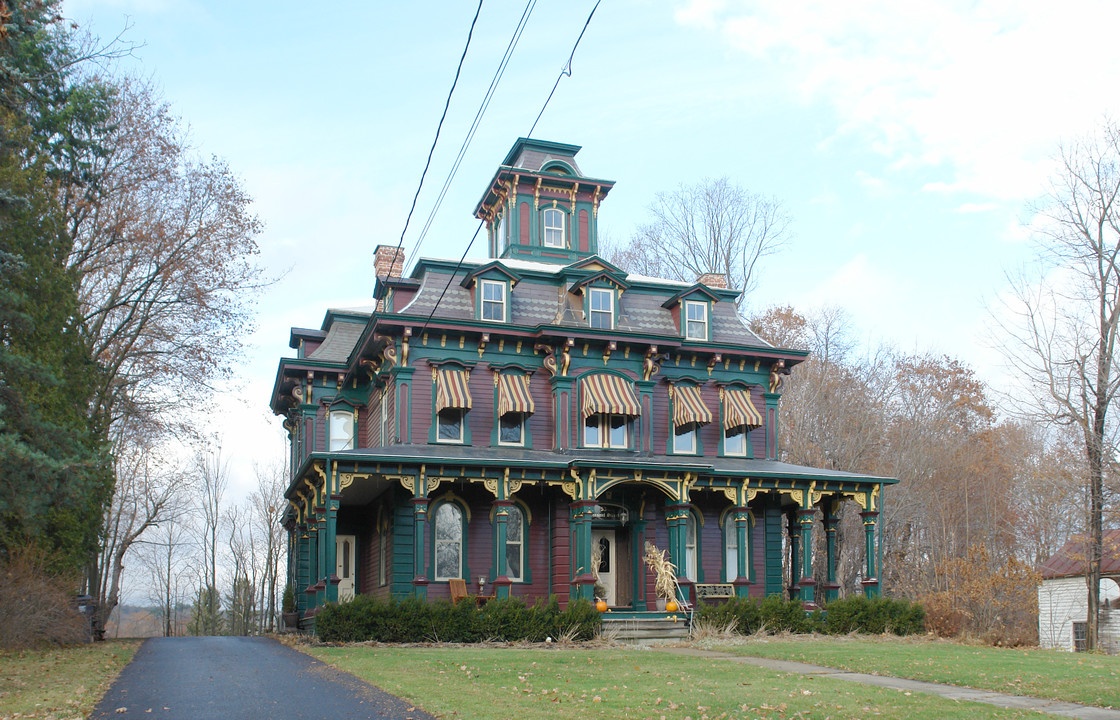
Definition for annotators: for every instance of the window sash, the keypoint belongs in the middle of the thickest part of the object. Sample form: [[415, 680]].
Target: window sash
[[684, 438], [731, 548], [448, 532], [449, 423], [511, 429], [690, 548], [493, 301], [553, 226], [601, 310], [696, 320], [735, 441], [515, 545], [606, 431], [341, 430]]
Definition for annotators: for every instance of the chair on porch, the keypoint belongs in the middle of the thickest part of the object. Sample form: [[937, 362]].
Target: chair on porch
[[458, 588]]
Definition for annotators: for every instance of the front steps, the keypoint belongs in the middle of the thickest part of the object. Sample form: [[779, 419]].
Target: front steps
[[644, 627]]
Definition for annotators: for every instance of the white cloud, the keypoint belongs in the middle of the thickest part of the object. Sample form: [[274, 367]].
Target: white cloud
[[978, 91], [972, 208]]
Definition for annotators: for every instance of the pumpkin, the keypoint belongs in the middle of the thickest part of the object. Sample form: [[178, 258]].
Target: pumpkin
[[671, 606], [601, 606]]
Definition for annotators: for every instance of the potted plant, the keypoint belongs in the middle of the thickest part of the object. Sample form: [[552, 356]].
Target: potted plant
[[665, 576], [288, 607]]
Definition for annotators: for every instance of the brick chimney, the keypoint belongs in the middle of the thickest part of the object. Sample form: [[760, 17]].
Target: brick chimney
[[713, 280], [388, 261]]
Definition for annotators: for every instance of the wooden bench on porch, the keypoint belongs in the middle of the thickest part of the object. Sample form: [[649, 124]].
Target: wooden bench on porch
[[714, 591]]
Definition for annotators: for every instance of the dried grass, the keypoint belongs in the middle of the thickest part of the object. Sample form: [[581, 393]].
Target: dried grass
[[37, 608]]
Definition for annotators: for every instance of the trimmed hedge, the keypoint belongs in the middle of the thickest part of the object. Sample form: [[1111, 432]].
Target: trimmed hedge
[[839, 617], [414, 620]]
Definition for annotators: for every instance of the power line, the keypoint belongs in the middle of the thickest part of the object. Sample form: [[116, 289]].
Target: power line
[[435, 140], [521, 25], [567, 70]]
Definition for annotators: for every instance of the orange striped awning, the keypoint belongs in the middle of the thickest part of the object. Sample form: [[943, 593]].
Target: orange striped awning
[[608, 394], [739, 411], [513, 395], [689, 407], [452, 390]]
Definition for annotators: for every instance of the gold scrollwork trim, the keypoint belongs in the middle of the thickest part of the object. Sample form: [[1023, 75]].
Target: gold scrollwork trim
[[345, 480], [491, 484], [732, 494], [798, 496]]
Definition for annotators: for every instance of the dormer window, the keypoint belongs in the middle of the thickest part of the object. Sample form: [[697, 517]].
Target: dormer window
[[600, 313], [341, 430], [552, 228], [696, 320], [493, 300]]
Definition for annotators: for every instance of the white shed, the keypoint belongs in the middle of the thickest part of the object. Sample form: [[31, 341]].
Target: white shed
[[1063, 597]]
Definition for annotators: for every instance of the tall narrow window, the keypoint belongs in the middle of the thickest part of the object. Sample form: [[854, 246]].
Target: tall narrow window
[[493, 301], [515, 543], [730, 548], [696, 320], [449, 541], [739, 417], [690, 548], [342, 430], [684, 438], [452, 401], [601, 308], [553, 228], [515, 404]]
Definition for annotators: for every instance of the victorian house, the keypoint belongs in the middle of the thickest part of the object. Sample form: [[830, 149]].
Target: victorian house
[[504, 421]]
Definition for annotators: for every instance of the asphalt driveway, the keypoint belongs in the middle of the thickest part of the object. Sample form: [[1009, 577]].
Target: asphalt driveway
[[240, 678]]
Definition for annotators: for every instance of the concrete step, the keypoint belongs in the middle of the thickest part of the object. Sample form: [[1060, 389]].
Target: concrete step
[[645, 626]]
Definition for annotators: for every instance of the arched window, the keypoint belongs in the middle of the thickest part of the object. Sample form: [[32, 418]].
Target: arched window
[[341, 430], [448, 531], [690, 554], [515, 543], [552, 228], [730, 548]]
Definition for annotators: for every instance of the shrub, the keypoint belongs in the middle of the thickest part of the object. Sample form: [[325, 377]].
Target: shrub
[[36, 606], [873, 616], [415, 620]]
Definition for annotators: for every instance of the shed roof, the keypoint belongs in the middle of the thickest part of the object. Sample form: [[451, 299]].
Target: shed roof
[[1071, 559]]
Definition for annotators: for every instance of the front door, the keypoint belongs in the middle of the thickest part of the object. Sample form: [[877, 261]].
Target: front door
[[603, 543], [345, 555]]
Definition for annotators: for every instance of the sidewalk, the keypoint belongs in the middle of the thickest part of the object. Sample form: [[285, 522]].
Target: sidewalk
[[952, 692]]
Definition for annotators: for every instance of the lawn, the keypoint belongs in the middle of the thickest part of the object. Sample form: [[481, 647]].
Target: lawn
[[59, 682], [480, 683], [1089, 679]]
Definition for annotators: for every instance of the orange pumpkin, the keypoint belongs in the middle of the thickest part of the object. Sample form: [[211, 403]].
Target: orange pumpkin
[[601, 606], [671, 606]]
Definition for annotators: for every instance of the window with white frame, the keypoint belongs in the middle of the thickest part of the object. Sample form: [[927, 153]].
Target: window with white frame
[[503, 234], [515, 543], [450, 425], [605, 430], [341, 430], [735, 441], [448, 531], [730, 548], [600, 312], [493, 300], [552, 228], [690, 555], [684, 438], [696, 320]]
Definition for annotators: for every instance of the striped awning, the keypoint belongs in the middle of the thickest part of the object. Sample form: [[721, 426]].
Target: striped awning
[[689, 407], [609, 394], [452, 390], [513, 395], [739, 411]]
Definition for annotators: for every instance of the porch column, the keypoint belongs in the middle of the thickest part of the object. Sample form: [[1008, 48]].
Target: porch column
[[830, 514], [638, 566], [312, 565], [562, 411], [794, 531], [744, 569], [419, 532], [501, 564], [583, 580], [321, 570], [807, 585], [676, 517], [302, 566], [331, 560], [871, 579]]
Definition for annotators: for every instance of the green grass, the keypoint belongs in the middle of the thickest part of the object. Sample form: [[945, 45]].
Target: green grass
[[1089, 679], [59, 682], [480, 683]]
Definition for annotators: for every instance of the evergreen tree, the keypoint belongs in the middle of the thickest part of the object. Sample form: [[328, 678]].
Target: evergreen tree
[[206, 612]]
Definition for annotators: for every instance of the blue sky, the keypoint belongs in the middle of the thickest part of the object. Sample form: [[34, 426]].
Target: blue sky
[[907, 140]]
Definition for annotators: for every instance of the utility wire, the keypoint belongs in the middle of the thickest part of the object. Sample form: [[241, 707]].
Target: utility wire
[[567, 70], [435, 140], [521, 25]]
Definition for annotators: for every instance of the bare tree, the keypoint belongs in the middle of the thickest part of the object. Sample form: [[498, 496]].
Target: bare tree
[[169, 570], [146, 494], [266, 508], [213, 476], [714, 226], [1066, 324]]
